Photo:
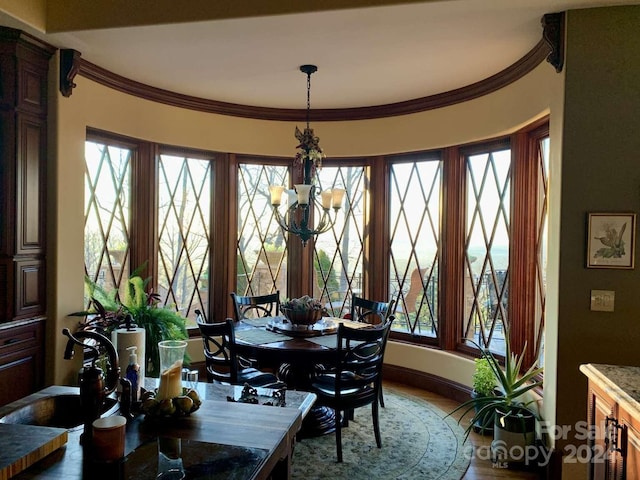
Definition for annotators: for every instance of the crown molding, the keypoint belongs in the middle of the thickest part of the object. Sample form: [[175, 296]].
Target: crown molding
[[501, 79]]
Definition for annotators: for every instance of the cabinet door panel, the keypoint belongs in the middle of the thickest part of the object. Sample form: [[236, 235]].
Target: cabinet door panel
[[632, 448], [600, 407], [29, 285], [30, 178]]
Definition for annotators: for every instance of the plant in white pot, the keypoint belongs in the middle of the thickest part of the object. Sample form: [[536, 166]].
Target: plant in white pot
[[515, 413]]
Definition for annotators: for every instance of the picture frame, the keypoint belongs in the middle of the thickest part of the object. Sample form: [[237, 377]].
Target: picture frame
[[611, 240]]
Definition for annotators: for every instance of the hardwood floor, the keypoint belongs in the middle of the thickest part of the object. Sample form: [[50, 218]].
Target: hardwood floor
[[479, 469]]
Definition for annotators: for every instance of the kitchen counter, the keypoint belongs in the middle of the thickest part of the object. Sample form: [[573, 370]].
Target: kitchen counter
[[613, 416], [620, 382], [252, 441]]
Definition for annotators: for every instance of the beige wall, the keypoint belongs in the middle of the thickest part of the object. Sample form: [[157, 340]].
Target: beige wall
[[96, 106]]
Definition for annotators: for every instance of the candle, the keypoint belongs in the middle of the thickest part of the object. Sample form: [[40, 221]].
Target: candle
[[337, 193], [303, 193], [170, 382], [276, 194], [326, 199]]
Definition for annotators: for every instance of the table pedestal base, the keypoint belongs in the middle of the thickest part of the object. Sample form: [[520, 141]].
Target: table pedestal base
[[320, 420]]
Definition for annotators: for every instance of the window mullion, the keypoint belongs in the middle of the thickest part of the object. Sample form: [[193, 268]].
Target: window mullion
[[143, 211], [452, 249], [522, 255]]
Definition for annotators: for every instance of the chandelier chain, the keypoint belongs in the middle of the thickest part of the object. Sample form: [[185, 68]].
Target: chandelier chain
[[308, 96]]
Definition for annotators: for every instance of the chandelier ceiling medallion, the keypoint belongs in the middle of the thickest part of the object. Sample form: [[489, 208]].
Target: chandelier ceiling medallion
[[298, 215]]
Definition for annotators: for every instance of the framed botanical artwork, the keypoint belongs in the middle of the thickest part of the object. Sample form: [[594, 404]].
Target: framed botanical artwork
[[611, 240]]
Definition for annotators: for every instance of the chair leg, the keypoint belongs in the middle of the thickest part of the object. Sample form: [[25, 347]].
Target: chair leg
[[376, 423], [381, 397], [339, 435]]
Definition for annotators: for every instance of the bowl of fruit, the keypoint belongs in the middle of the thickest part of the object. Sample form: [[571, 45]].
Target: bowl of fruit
[[154, 406]]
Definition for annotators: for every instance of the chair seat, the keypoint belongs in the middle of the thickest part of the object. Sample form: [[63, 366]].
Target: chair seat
[[256, 378], [352, 394]]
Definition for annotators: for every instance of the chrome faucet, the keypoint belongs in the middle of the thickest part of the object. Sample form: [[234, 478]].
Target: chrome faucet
[[93, 386]]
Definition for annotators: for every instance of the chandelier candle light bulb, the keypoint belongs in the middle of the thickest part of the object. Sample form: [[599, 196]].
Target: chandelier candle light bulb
[[326, 195], [337, 196], [276, 194], [303, 192]]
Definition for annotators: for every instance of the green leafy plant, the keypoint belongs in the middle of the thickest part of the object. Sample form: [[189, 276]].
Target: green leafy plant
[[511, 384], [484, 380], [107, 312]]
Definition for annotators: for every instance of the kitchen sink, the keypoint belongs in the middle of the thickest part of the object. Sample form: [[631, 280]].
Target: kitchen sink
[[62, 411]]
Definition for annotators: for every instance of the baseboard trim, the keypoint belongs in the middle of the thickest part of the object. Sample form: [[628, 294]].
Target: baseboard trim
[[407, 376], [427, 381]]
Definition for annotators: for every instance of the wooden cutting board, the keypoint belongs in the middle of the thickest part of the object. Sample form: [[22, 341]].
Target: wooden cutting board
[[23, 445]]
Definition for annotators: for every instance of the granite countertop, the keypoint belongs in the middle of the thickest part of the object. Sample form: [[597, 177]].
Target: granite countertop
[[621, 382]]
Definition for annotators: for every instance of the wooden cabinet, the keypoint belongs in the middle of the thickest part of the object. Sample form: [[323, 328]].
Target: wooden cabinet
[[631, 443], [21, 360], [24, 66], [600, 408], [615, 445]]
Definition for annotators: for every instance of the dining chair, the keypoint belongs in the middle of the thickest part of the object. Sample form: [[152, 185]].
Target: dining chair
[[356, 377], [370, 311], [223, 364], [373, 312], [256, 306]]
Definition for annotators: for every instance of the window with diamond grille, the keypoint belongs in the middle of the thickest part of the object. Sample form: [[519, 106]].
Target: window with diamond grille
[[415, 205], [486, 256], [261, 243], [107, 214], [184, 233], [338, 253]]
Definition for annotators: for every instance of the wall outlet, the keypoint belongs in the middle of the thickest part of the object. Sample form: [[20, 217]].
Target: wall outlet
[[602, 300]]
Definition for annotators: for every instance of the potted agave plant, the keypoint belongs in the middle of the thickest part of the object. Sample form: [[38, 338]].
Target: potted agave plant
[[514, 414]]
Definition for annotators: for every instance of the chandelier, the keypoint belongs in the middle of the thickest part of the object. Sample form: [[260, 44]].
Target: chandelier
[[301, 201]]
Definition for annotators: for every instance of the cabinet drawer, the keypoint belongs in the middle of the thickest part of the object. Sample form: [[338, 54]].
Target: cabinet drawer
[[18, 338]]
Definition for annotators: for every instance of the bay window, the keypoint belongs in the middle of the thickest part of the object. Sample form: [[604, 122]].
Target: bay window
[[457, 236]]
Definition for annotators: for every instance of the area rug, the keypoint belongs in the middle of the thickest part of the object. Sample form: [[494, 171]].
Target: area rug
[[418, 442]]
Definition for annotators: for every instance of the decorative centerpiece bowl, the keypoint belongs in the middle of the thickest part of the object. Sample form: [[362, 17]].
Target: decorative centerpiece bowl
[[302, 311], [153, 406]]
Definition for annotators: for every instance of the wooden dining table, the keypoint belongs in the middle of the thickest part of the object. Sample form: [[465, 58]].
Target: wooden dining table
[[298, 354]]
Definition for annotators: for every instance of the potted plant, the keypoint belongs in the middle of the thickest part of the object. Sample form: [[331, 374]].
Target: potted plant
[[107, 312], [303, 311], [484, 385], [515, 416]]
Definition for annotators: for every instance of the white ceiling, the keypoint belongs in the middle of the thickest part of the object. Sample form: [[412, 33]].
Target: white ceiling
[[367, 56]]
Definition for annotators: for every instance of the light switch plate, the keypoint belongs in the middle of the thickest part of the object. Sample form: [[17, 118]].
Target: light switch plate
[[602, 300]]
